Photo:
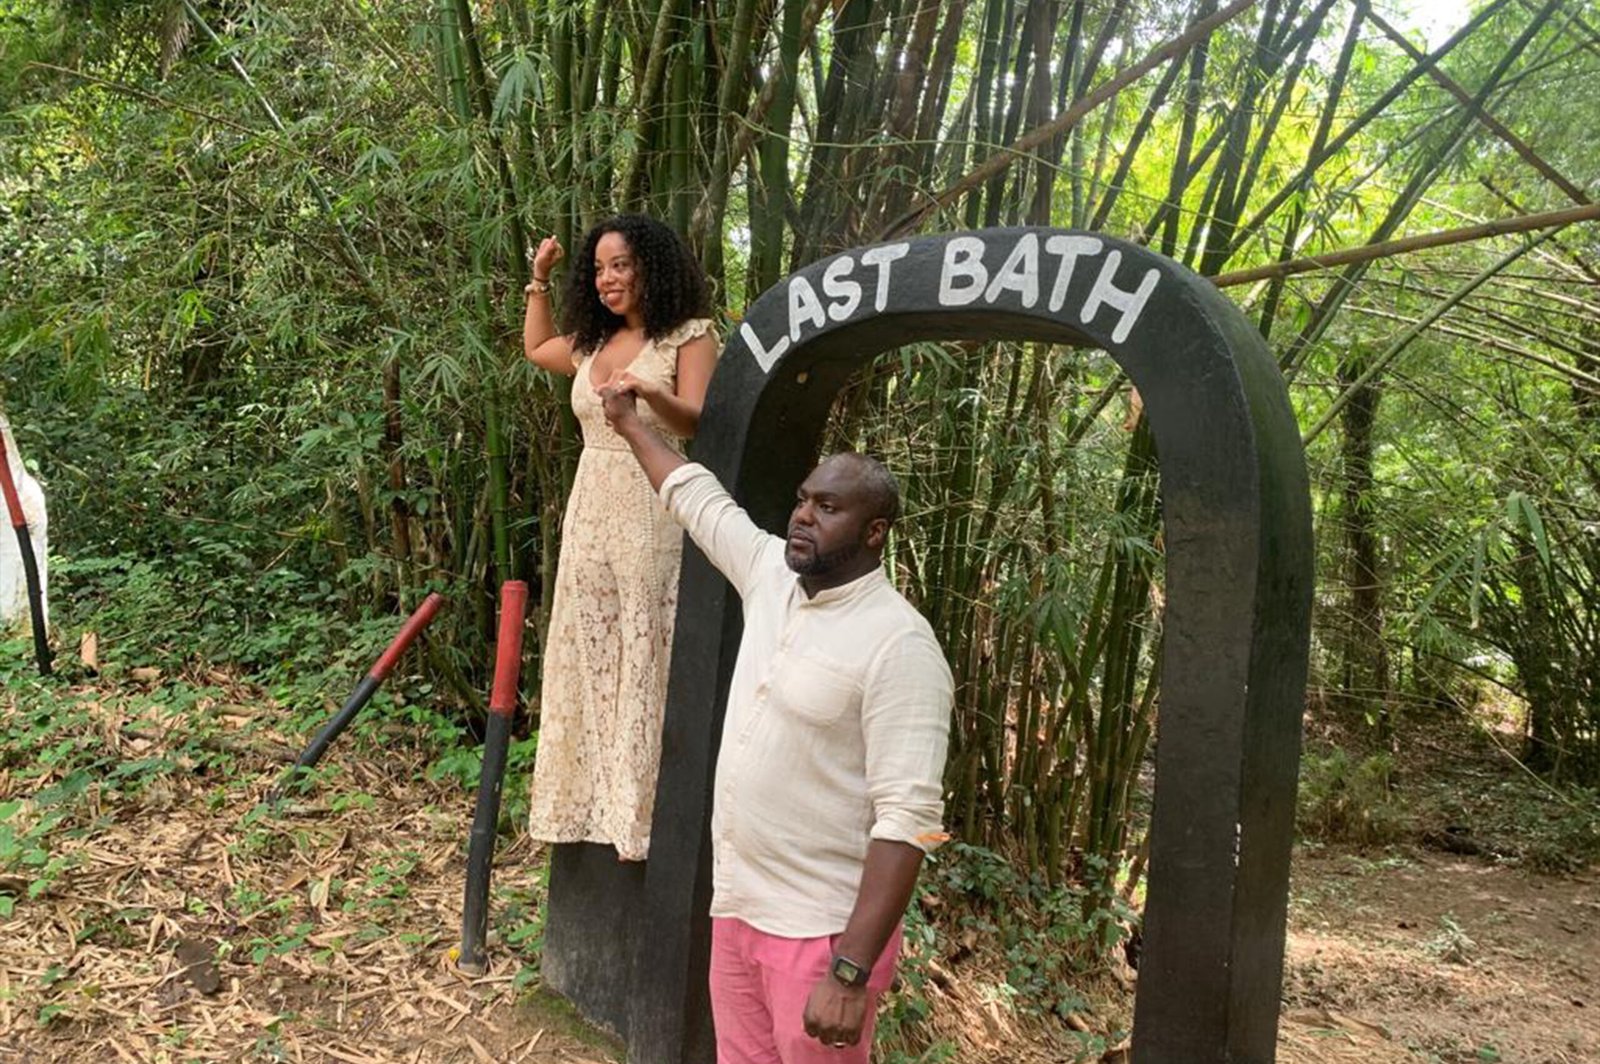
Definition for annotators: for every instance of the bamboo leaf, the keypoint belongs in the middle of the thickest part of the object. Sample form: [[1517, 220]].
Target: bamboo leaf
[[1438, 586], [1535, 525], [374, 159], [1514, 510], [519, 79], [1479, 548]]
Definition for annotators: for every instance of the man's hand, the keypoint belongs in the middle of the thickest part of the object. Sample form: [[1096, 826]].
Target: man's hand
[[835, 1013], [620, 406]]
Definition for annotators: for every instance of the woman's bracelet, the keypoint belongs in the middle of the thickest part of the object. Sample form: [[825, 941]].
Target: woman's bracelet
[[536, 287]]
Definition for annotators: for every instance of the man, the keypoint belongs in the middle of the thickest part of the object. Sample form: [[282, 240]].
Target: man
[[828, 787]]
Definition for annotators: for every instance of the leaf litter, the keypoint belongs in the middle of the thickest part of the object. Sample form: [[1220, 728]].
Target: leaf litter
[[184, 919]]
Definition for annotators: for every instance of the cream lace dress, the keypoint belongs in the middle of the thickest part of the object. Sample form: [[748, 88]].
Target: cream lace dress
[[610, 640]]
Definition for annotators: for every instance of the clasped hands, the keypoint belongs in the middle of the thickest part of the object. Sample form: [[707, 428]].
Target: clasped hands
[[619, 397]]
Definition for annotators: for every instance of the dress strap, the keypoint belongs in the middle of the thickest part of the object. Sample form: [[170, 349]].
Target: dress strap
[[689, 330], [664, 349]]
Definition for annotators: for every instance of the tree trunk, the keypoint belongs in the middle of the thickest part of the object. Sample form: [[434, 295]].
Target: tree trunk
[[1365, 668]]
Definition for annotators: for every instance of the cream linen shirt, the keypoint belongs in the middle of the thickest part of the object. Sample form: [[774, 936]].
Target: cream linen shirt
[[838, 719]]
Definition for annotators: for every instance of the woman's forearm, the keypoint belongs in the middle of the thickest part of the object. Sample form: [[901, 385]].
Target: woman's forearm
[[540, 343], [537, 324]]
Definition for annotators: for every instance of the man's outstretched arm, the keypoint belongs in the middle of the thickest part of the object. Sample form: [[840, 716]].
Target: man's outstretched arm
[[730, 540]]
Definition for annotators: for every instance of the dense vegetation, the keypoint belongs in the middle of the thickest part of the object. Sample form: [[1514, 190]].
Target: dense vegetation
[[262, 271]]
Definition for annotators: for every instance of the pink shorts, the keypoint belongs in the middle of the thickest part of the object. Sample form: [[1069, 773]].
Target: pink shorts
[[759, 987]]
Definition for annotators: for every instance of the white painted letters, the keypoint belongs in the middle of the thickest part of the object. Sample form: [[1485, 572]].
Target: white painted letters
[[1070, 248], [1130, 303], [764, 357], [837, 285], [804, 306], [963, 259], [1020, 274], [881, 258], [965, 279]]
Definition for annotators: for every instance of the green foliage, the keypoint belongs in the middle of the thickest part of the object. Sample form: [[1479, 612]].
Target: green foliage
[[1348, 799], [1051, 936], [1451, 944], [1047, 941], [1564, 838]]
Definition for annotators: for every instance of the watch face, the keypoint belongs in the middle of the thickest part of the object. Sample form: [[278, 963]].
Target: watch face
[[848, 972]]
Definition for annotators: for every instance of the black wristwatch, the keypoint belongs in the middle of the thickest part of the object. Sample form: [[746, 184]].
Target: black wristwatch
[[847, 972]]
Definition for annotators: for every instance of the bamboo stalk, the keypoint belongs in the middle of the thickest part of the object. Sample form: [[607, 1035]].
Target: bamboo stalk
[[1236, 167], [1002, 160], [1182, 173], [936, 93], [1390, 248], [995, 15], [1404, 339], [152, 98], [564, 116], [1141, 129], [851, 38], [649, 89], [734, 88], [1575, 259], [1335, 93], [1039, 109], [1014, 90], [770, 184], [1487, 120], [1569, 373], [478, 78], [1378, 107]]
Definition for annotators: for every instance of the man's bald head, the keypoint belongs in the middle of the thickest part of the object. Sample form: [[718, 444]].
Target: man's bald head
[[879, 488]]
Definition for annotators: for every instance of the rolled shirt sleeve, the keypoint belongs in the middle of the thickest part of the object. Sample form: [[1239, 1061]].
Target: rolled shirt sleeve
[[905, 724]]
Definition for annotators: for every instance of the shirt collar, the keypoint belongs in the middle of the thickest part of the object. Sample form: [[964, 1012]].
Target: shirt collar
[[856, 588]]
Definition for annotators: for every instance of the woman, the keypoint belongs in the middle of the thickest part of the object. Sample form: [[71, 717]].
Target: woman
[[634, 316]]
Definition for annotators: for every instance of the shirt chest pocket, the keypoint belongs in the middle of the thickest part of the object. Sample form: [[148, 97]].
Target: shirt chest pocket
[[817, 691]]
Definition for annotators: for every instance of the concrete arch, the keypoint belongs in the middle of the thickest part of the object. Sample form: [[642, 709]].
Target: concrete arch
[[1239, 580]]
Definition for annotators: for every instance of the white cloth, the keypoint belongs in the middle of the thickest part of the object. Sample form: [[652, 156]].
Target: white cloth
[[837, 725], [13, 582]]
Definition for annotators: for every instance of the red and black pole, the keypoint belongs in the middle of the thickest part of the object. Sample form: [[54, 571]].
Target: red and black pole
[[364, 690], [496, 740], [30, 564]]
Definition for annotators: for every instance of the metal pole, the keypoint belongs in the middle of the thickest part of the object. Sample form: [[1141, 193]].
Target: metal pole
[[364, 691], [30, 564], [497, 737]]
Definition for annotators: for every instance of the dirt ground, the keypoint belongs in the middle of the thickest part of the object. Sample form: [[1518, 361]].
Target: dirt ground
[[1430, 957], [184, 924], [1422, 957]]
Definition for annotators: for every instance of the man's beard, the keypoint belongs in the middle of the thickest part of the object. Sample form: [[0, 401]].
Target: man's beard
[[821, 564]]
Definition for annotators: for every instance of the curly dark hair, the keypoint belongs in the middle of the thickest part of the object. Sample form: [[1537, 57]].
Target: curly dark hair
[[673, 287]]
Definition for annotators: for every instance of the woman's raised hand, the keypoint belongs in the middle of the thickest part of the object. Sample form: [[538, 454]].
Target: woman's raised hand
[[546, 256]]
